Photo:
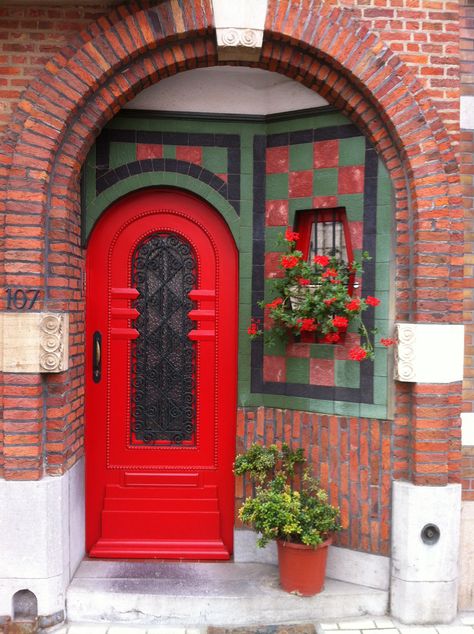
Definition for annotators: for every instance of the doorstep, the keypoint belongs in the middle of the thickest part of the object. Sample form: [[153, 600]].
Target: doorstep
[[197, 594]]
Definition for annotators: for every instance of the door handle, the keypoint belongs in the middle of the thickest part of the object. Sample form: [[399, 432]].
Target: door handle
[[96, 356]]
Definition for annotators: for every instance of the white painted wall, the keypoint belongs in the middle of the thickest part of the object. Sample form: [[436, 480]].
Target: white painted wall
[[227, 90]]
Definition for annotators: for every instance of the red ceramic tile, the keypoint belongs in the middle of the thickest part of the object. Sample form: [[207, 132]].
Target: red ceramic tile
[[272, 261], [356, 230], [321, 372], [298, 350], [324, 202], [276, 213], [351, 180], [277, 160], [274, 369], [326, 154], [300, 184], [223, 176], [190, 154], [351, 339], [149, 151]]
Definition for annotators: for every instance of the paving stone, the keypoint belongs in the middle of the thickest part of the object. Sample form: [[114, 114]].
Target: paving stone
[[328, 626], [356, 624], [307, 628], [384, 623], [467, 619], [170, 630], [87, 628], [126, 629], [417, 629], [454, 629], [382, 631]]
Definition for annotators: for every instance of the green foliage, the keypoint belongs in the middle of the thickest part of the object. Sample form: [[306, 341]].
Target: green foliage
[[278, 510], [317, 297]]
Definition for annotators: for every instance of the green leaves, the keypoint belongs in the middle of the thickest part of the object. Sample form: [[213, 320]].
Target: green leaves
[[278, 510]]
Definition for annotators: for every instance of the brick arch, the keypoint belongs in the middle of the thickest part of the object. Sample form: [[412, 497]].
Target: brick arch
[[85, 85]]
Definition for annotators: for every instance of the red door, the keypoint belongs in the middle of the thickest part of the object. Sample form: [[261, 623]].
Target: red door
[[161, 379]]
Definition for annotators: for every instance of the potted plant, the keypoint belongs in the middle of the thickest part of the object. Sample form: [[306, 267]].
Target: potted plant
[[290, 507], [315, 301]]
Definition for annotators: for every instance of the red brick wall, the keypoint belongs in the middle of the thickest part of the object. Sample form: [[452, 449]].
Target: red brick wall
[[468, 473], [59, 116], [351, 457]]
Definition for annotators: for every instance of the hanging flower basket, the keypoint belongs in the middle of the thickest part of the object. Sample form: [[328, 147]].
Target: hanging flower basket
[[314, 301]]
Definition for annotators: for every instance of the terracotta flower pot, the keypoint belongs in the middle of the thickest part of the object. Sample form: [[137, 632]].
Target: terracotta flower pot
[[302, 568]]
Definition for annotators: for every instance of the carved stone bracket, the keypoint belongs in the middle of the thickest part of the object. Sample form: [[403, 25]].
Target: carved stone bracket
[[34, 342], [239, 28], [429, 353]]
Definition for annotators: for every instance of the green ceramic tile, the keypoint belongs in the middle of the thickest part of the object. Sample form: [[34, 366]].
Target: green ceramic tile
[[277, 186], [169, 151], [383, 251], [325, 182], [121, 153], [373, 411], [297, 370], [384, 218], [301, 156], [352, 151], [215, 159], [384, 329], [246, 187], [277, 349], [346, 408], [380, 362], [321, 407], [347, 373], [322, 351], [272, 241], [382, 276], [354, 205], [380, 390], [330, 119], [298, 204], [384, 189]]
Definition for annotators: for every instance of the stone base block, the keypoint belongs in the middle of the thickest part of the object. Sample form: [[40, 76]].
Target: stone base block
[[414, 602]]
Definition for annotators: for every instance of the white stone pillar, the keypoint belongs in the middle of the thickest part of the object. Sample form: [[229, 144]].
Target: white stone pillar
[[42, 534], [424, 576]]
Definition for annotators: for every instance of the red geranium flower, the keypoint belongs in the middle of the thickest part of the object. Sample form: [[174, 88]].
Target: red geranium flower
[[276, 302], [354, 304], [322, 260], [289, 261], [387, 342], [340, 322], [372, 301], [330, 301], [330, 273], [357, 354], [307, 324], [291, 236], [332, 337], [302, 281], [253, 328]]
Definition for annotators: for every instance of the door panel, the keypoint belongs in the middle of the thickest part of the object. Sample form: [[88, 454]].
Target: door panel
[[161, 379]]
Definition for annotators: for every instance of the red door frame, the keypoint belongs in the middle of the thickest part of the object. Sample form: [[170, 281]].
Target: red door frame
[[117, 471]]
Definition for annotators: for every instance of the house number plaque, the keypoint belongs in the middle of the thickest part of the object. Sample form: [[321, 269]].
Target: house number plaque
[[22, 299]]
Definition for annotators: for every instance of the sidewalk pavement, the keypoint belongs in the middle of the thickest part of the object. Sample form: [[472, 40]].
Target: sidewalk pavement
[[464, 624]]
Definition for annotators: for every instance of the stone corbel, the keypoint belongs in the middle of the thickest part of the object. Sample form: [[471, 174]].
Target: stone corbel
[[239, 29], [34, 342], [429, 353]]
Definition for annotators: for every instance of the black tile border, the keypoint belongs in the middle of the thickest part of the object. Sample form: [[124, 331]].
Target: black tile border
[[107, 177], [365, 392]]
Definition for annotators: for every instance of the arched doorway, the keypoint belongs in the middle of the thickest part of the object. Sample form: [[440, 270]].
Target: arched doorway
[[161, 379]]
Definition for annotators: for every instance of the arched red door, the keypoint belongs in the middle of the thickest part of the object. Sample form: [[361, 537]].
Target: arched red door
[[161, 379]]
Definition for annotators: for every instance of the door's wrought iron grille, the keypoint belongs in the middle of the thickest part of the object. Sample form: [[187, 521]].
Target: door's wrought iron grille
[[163, 408]]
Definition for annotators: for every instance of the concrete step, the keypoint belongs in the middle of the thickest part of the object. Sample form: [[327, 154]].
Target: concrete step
[[195, 594]]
